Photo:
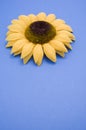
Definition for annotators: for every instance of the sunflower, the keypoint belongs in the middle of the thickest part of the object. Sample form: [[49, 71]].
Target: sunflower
[[38, 36]]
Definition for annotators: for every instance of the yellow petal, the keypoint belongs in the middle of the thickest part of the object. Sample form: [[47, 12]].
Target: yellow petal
[[49, 52], [38, 54], [14, 21], [50, 18], [62, 54], [63, 38], [8, 33], [27, 58], [16, 28], [10, 44], [19, 22], [58, 22], [70, 35], [41, 16], [27, 49], [14, 36], [25, 18], [17, 53], [18, 46], [32, 17], [58, 46], [64, 27], [68, 45]]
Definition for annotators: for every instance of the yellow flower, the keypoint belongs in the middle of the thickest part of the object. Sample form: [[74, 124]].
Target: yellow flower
[[38, 35]]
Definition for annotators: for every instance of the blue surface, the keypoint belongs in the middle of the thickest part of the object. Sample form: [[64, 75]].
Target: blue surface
[[52, 96]]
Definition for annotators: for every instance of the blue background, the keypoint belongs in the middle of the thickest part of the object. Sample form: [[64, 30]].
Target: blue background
[[52, 96]]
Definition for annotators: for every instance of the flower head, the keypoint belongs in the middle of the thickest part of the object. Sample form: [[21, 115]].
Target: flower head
[[38, 36]]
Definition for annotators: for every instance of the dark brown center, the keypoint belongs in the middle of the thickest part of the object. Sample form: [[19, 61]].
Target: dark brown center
[[40, 27], [40, 32]]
